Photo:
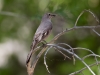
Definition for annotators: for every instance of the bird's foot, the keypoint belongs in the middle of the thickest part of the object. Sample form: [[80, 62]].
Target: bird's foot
[[44, 43]]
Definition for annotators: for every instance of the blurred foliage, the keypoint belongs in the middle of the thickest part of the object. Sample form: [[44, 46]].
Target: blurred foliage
[[20, 18]]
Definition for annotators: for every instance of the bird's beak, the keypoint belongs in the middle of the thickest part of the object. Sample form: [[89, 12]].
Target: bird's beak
[[53, 15]]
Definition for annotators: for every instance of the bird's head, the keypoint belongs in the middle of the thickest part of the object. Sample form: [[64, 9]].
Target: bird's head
[[48, 16]]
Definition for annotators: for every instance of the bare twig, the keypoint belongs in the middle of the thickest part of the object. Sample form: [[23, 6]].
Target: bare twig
[[90, 55], [71, 50], [83, 69], [74, 55], [37, 58], [96, 32], [74, 28], [62, 53], [28, 65], [78, 18], [45, 58], [93, 15], [95, 19], [46, 54]]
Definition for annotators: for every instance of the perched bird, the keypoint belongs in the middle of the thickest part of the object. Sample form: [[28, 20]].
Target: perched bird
[[41, 33]]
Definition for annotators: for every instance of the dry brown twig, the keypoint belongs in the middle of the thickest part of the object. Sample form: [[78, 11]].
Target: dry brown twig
[[31, 66]]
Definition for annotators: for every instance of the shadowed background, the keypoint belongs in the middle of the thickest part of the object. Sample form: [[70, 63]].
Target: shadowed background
[[19, 20]]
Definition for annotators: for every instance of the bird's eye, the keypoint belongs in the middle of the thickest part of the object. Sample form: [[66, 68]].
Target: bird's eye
[[49, 14]]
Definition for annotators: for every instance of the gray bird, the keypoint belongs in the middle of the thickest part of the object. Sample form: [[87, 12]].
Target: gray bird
[[41, 33]]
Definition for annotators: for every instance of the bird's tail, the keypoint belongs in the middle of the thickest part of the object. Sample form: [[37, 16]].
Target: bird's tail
[[31, 51]]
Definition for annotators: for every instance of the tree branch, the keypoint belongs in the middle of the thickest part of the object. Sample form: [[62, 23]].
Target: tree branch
[[83, 69]]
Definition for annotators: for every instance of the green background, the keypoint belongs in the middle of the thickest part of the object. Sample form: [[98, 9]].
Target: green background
[[19, 20]]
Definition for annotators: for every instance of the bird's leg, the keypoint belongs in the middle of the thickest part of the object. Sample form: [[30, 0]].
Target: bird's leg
[[44, 42]]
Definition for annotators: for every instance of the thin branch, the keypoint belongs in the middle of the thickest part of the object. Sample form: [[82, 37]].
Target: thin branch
[[74, 55], [70, 48], [93, 15], [37, 58], [95, 59], [78, 18], [28, 65], [46, 54], [97, 20], [45, 58], [96, 32], [62, 53], [80, 48], [77, 27], [83, 69], [74, 28], [90, 55]]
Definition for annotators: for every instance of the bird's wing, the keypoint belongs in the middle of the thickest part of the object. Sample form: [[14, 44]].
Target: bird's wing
[[38, 37], [41, 35], [43, 31]]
